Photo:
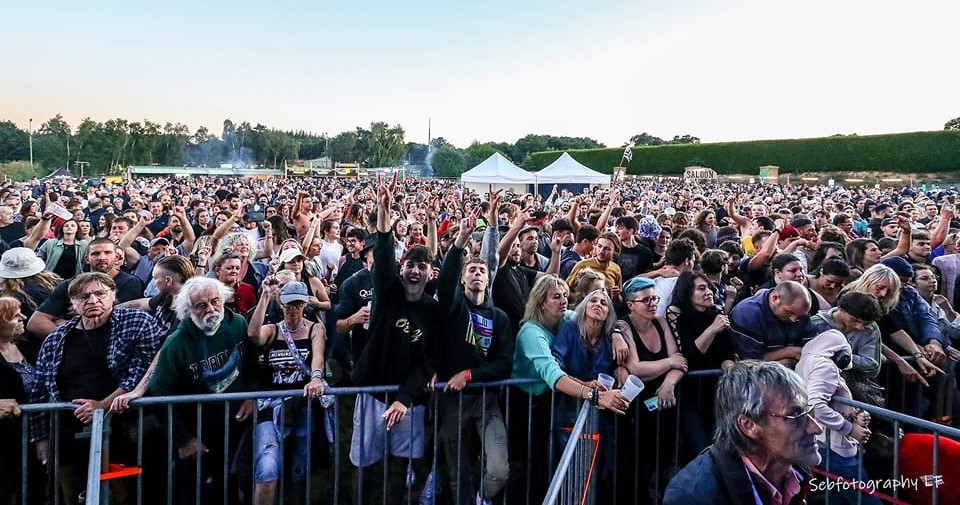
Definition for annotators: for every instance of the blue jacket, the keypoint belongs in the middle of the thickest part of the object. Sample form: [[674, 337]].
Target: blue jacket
[[573, 358], [916, 319]]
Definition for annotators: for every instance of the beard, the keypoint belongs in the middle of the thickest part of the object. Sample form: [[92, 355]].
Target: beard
[[209, 323]]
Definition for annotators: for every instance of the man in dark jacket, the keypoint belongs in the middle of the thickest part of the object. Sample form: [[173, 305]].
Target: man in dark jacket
[[477, 346], [764, 443]]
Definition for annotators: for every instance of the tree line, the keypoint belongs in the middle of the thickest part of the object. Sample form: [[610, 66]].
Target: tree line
[[108, 147]]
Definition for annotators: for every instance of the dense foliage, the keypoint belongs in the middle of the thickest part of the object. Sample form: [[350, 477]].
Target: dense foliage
[[920, 152], [108, 147]]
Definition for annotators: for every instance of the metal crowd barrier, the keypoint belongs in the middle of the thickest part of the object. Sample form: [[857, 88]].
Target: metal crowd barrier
[[329, 481], [28, 487], [340, 482], [573, 481], [892, 492]]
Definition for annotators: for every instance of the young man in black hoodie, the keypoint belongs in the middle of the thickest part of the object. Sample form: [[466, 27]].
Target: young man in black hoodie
[[403, 324], [477, 346]]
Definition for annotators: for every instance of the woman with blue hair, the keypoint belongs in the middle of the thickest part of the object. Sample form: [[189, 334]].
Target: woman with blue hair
[[653, 357]]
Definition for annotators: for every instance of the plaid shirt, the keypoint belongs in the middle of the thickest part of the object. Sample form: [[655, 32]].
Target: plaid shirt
[[134, 340]]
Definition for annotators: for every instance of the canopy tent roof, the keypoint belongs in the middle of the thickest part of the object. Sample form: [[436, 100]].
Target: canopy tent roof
[[497, 170], [566, 170]]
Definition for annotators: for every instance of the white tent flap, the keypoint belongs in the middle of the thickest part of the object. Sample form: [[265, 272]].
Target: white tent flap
[[567, 170], [498, 171]]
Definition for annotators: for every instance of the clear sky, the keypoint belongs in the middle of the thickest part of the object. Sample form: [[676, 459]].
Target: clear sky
[[492, 70]]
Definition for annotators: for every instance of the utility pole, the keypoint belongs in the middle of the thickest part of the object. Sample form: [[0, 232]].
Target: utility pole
[[326, 150], [31, 142]]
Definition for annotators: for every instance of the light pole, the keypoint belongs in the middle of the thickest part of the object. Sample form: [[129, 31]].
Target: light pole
[[326, 148], [31, 142]]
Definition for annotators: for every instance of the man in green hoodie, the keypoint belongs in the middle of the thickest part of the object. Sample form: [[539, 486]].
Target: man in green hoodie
[[204, 355]]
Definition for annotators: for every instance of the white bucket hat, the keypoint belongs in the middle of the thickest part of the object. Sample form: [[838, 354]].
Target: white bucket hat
[[19, 263]]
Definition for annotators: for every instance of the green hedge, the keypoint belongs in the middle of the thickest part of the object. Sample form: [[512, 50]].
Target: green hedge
[[919, 152]]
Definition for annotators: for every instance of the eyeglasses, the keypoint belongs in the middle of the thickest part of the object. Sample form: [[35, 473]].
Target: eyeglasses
[[650, 300], [100, 294], [795, 418]]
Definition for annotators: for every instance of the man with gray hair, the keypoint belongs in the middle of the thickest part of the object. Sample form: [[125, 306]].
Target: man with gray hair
[[205, 355], [763, 445]]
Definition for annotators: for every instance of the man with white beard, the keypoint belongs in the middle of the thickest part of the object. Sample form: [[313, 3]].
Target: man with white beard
[[204, 355]]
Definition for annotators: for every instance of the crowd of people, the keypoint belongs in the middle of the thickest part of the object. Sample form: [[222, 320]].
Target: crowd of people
[[172, 286]]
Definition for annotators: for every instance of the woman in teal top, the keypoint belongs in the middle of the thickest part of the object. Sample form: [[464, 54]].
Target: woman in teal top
[[546, 309]]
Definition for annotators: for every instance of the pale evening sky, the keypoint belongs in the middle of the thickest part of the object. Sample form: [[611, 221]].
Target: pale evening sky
[[493, 70]]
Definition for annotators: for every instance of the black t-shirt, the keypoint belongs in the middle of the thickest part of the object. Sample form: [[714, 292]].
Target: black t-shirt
[[83, 371], [511, 288], [756, 278], [12, 232], [66, 266], [634, 261], [58, 304], [350, 266], [355, 292]]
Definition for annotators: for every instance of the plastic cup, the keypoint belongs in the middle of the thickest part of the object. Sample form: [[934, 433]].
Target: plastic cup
[[606, 380], [632, 387]]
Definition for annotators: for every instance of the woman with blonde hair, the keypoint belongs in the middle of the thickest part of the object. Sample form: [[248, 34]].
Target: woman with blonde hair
[[545, 312], [252, 273], [883, 283], [586, 281]]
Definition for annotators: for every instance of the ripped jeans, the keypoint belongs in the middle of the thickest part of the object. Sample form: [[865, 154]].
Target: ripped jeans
[[271, 451]]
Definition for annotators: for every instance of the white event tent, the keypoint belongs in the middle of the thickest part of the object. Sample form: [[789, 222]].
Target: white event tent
[[566, 170], [499, 172]]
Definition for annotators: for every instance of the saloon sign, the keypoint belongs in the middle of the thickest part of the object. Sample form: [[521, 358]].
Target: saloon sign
[[699, 174]]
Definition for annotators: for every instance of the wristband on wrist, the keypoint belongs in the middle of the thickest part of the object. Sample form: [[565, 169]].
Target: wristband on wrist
[[580, 394], [316, 374], [467, 375], [918, 354]]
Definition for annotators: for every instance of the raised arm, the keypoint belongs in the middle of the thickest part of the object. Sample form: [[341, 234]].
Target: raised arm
[[939, 234], [39, 230], [130, 255], [765, 254], [488, 249], [224, 228], [515, 226], [614, 198], [572, 215], [731, 208], [903, 244], [433, 211], [257, 332], [189, 237]]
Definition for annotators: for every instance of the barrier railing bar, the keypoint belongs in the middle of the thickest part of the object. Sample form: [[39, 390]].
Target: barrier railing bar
[[96, 456], [567, 457], [915, 421]]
